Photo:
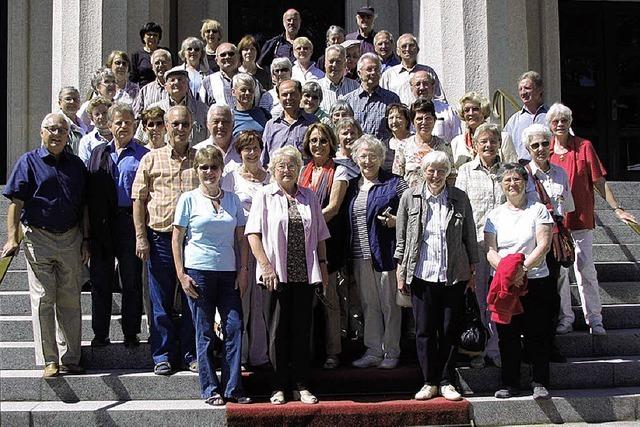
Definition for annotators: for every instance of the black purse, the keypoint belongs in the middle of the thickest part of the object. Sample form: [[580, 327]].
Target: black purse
[[474, 336]]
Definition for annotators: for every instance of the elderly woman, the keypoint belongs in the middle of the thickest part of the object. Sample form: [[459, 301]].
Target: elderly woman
[[335, 35], [340, 110], [103, 83], [249, 49], [152, 121], [408, 158], [246, 116], [304, 69], [436, 254], [477, 179], [211, 33], [286, 226], [195, 62], [474, 110], [280, 71], [101, 134], [398, 120], [585, 171], [311, 99], [141, 67], [246, 181], [126, 91], [519, 232], [372, 199], [212, 221], [329, 181]]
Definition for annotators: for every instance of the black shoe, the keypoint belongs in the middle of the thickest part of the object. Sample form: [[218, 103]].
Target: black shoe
[[100, 342], [72, 369], [131, 341], [86, 287]]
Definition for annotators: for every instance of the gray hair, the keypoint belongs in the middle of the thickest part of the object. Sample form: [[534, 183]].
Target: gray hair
[[559, 110], [119, 107], [335, 29], [370, 56], [487, 128], [371, 142], [347, 121], [508, 168], [99, 75], [194, 42], [50, 116], [242, 78], [436, 157], [67, 89], [313, 88], [338, 48], [533, 130], [281, 62], [287, 152], [162, 52], [175, 108], [225, 108], [535, 78], [341, 105]]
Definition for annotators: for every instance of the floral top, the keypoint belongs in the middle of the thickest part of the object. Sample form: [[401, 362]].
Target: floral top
[[409, 157]]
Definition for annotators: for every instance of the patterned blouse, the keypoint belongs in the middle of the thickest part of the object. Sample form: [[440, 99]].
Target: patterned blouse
[[408, 158], [296, 270]]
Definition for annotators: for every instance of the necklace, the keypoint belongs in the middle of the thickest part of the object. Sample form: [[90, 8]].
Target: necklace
[[214, 198]]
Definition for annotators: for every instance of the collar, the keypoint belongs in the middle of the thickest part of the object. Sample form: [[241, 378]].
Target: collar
[[274, 188], [477, 165], [43, 152], [174, 155], [405, 69], [535, 169], [541, 109], [427, 194], [364, 93], [132, 145]]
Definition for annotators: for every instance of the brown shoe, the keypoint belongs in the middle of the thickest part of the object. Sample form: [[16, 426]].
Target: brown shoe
[[72, 369], [51, 370]]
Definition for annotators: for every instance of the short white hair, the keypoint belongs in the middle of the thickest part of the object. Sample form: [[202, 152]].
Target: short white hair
[[368, 141], [225, 108], [436, 157], [370, 56], [50, 116], [533, 130], [287, 152], [559, 110]]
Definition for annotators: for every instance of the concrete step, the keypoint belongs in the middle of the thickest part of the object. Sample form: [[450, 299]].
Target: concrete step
[[575, 374], [113, 413], [628, 202], [617, 342], [625, 271], [609, 217], [619, 316], [19, 328], [21, 355], [566, 406], [623, 188], [612, 293], [18, 303], [614, 252], [619, 233]]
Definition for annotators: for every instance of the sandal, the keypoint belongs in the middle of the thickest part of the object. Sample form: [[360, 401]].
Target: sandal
[[277, 398], [215, 400]]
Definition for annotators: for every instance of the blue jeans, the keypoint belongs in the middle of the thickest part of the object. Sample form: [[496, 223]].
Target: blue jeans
[[162, 288], [216, 289]]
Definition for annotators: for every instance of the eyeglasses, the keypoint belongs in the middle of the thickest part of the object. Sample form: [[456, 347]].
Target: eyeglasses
[[207, 168], [303, 48], [193, 49], [178, 124], [319, 141], [230, 54], [309, 96], [370, 157], [153, 125], [536, 145], [286, 167], [56, 129], [281, 70], [432, 172], [425, 118], [473, 109]]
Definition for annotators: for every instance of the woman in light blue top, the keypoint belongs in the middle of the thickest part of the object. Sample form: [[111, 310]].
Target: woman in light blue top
[[208, 231]]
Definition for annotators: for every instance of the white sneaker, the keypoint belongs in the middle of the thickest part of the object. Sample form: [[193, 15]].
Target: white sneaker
[[449, 392], [598, 329], [563, 328], [388, 363], [427, 392], [367, 361]]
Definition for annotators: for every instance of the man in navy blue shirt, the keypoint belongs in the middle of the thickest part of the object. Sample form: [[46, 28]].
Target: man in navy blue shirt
[[112, 169], [47, 189]]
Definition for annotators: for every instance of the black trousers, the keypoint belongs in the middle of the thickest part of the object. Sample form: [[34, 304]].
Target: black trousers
[[102, 272], [290, 335], [437, 310], [536, 325]]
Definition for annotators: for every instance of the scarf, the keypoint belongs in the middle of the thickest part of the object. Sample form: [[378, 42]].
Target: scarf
[[323, 185]]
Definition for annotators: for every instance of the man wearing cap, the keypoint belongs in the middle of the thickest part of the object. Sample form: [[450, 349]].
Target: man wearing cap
[[365, 17], [281, 46], [353, 55], [178, 93], [47, 193], [396, 78], [152, 92]]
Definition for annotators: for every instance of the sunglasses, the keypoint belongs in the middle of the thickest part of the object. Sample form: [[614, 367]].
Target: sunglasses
[[227, 54], [536, 145], [207, 168]]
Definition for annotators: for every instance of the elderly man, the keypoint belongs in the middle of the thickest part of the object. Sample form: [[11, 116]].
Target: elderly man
[[154, 91], [291, 125], [396, 79], [531, 90], [281, 46], [163, 175], [369, 102], [365, 18], [447, 124], [281, 69], [335, 84], [216, 87], [220, 125], [111, 169], [47, 190], [178, 93], [383, 45]]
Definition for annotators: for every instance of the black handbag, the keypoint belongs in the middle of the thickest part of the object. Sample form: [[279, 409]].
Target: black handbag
[[474, 336]]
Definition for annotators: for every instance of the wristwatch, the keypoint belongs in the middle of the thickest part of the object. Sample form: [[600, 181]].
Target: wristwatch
[[618, 207]]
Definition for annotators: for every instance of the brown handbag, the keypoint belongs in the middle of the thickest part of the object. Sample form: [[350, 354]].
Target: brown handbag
[[562, 245]]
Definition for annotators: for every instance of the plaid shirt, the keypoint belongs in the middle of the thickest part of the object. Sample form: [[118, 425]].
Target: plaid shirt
[[369, 110], [161, 178]]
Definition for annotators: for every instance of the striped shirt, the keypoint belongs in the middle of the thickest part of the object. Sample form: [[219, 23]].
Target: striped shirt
[[432, 262], [149, 94], [360, 236], [162, 177], [331, 92], [397, 79]]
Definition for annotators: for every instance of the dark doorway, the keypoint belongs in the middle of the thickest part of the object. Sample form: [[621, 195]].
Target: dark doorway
[[600, 63], [263, 19]]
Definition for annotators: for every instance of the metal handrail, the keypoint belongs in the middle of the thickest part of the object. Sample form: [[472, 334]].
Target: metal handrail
[[498, 105]]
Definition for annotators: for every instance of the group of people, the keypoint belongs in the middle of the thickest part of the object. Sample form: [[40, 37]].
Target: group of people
[[241, 197]]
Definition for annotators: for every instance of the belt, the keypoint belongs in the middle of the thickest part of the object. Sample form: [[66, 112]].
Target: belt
[[56, 232]]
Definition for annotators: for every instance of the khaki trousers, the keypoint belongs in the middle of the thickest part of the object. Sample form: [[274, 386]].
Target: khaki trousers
[[54, 270]]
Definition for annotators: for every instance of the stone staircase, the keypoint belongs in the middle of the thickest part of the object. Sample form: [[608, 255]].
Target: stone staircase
[[599, 383]]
